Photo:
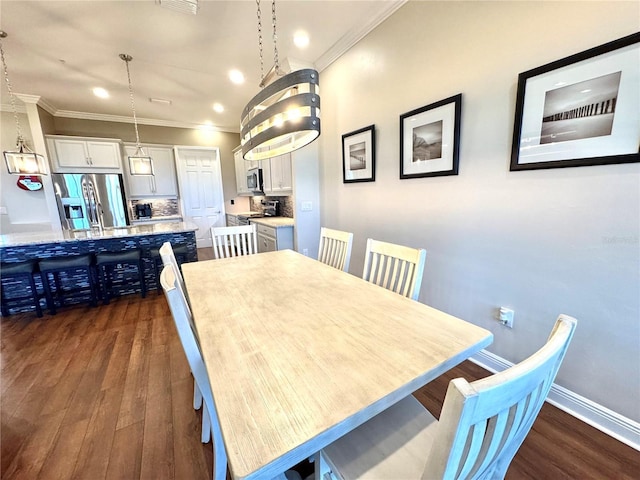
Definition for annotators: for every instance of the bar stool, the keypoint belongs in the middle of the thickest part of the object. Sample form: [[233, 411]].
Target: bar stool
[[109, 262], [180, 251], [77, 273], [17, 273]]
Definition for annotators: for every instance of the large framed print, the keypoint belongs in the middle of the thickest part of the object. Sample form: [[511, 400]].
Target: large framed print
[[580, 110], [359, 155], [429, 139]]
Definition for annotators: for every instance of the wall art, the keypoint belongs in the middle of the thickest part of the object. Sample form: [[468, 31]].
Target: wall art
[[580, 110], [430, 138], [359, 155]]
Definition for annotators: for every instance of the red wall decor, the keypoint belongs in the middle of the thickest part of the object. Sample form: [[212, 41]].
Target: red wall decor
[[29, 182]]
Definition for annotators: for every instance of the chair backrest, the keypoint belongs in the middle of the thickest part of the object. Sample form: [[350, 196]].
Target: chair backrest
[[483, 423], [169, 258], [394, 267], [234, 241], [186, 331], [335, 248]]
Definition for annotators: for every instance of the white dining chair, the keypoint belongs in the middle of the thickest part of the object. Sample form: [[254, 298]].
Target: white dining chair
[[481, 427], [168, 258], [234, 241], [186, 331], [394, 267], [335, 248]]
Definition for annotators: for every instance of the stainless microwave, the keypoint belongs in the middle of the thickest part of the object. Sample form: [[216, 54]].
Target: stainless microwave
[[254, 180]]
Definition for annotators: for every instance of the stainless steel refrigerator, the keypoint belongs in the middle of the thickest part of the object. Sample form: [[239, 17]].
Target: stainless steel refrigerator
[[90, 200]]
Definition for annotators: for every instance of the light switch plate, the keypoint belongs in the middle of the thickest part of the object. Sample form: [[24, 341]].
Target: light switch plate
[[3, 211], [306, 206]]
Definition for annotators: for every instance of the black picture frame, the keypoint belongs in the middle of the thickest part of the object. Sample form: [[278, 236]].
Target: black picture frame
[[430, 139], [581, 110], [359, 155]]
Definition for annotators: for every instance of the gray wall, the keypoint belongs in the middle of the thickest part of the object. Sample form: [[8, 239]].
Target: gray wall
[[541, 242]]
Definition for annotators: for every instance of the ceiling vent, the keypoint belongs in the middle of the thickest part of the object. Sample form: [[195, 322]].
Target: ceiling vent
[[183, 6]]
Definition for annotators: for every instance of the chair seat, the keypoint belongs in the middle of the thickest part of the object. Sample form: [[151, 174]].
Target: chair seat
[[65, 262], [19, 272], [394, 444], [8, 269], [179, 250], [118, 257]]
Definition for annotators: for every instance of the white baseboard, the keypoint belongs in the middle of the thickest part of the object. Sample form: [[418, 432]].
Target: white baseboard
[[613, 424]]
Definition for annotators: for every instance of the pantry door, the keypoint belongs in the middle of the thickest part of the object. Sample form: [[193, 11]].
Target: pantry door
[[201, 196]]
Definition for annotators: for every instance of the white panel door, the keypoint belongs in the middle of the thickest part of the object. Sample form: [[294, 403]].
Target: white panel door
[[200, 179]]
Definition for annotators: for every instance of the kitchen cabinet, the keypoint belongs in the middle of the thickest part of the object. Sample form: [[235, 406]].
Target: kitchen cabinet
[[232, 220], [241, 172], [79, 155], [272, 238], [163, 183], [277, 174]]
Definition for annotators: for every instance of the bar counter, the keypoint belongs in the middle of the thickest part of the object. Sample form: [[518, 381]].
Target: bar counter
[[20, 247]]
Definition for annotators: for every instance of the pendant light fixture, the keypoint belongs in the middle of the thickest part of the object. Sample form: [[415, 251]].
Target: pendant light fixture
[[285, 115], [22, 161], [139, 163]]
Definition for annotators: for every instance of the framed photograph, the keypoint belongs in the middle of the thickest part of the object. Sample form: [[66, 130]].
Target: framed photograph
[[359, 155], [580, 110], [430, 138]]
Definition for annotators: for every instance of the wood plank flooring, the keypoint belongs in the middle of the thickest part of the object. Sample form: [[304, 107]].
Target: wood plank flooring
[[106, 393]]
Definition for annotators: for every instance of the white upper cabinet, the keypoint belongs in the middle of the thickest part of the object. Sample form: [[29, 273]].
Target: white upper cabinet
[[163, 183], [278, 178], [79, 155]]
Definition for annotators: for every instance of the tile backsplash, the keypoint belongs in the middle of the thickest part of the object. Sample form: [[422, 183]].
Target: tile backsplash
[[286, 205], [160, 207]]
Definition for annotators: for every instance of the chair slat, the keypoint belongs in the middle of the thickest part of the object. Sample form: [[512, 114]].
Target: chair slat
[[234, 241], [405, 277], [335, 248]]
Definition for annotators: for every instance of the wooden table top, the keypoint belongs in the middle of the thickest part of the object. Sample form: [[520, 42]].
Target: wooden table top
[[300, 353]]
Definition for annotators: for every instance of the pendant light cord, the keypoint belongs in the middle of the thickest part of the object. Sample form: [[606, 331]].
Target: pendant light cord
[[275, 41], [11, 96], [275, 38], [260, 43], [127, 59]]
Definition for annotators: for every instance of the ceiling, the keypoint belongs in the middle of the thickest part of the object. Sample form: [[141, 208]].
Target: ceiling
[[61, 50]]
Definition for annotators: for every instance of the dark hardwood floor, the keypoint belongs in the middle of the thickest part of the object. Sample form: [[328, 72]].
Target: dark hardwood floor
[[94, 393]]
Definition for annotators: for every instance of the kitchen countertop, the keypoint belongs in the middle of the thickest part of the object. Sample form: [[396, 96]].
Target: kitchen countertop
[[33, 238], [172, 218], [274, 222]]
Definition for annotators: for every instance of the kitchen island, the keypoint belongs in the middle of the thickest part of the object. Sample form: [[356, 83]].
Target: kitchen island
[[19, 247]]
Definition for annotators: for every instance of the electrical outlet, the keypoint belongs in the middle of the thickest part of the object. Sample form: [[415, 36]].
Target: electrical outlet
[[505, 315], [305, 252]]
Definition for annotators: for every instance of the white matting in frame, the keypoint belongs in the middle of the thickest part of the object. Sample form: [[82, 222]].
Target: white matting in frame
[[429, 141]]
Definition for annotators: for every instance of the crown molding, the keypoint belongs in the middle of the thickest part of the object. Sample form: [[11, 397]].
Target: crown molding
[[4, 107], [26, 98], [141, 121], [354, 36]]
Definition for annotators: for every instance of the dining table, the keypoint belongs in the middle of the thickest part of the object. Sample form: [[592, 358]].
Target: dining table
[[299, 353]]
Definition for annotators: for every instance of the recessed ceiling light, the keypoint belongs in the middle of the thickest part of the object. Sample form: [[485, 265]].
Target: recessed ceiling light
[[218, 107], [301, 39], [236, 77], [160, 100], [100, 92]]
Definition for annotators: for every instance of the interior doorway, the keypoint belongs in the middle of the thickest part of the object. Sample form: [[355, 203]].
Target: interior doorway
[[201, 195]]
